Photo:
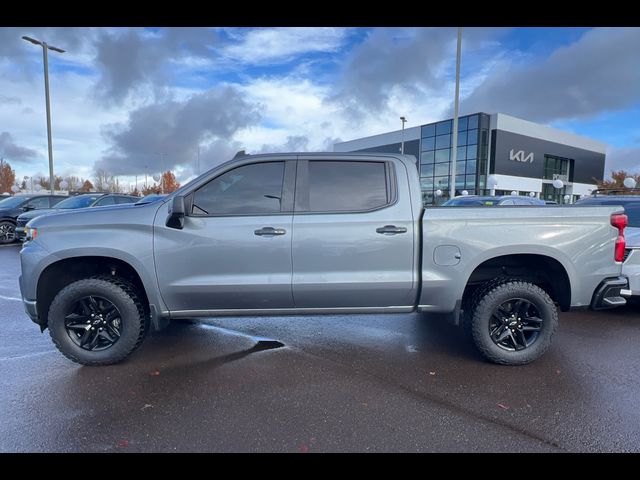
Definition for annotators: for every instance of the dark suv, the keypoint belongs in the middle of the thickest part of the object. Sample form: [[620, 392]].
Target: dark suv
[[77, 201], [11, 207]]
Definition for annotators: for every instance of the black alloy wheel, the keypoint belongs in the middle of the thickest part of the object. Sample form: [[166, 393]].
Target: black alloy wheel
[[93, 323], [515, 324]]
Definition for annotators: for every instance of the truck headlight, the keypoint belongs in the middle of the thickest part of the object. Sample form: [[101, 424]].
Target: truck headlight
[[31, 233]]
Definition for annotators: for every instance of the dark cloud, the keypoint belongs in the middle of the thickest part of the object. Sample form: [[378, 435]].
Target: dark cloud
[[11, 151], [411, 59], [627, 158], [5, 100], [294, 143], [132, 58], [600, 72], [176, 128]]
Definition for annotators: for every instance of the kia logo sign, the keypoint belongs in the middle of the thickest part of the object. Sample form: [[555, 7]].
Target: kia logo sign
[[519, 156]]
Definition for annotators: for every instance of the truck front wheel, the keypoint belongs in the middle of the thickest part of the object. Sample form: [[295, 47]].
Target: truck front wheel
[[512, 322], [97, 321]]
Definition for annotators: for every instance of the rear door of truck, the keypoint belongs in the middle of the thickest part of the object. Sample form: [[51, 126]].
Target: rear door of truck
[[353, 234]]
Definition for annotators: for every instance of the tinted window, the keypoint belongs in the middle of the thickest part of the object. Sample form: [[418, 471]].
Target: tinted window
[[443, 127], [441, 169], [508, 202], [472, 137], [428, 143], [41, 202], [81, 201], [12, 202], [443, 141], [346, 186], [120, 200], [55, 200], [442, 155], [427, 157], [103, 202], [429, 130], [254, 189]]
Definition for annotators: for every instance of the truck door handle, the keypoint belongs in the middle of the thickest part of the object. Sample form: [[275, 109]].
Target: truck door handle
[[391, 230], [269, 231]]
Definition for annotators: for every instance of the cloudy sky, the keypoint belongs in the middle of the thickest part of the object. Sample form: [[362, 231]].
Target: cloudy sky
[[122, 96]]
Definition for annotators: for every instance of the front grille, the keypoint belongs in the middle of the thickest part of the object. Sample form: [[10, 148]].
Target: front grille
[[22, 222], [627, 251]]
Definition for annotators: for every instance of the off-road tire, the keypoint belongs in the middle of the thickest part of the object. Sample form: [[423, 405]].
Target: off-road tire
[[134, 318], [486, 302]]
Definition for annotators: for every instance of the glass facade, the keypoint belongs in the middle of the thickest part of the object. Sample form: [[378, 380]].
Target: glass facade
[[556, 167], [471, 156]]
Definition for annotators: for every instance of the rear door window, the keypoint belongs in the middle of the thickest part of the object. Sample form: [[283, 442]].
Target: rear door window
[[344, 186]]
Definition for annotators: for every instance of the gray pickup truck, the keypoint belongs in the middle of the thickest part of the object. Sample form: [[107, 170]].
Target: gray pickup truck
[[305, 233]]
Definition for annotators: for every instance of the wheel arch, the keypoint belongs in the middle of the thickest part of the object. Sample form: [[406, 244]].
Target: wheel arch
[[542, 270], [63, 272]]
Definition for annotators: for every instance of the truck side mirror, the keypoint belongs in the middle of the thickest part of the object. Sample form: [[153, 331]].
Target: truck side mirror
[[175, 219]]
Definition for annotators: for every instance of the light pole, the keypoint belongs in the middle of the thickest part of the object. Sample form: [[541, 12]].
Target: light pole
[[403, 120], [162, 154], [45, 49], [454, 140]]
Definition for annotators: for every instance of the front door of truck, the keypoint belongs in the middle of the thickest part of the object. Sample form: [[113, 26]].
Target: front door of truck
[[353, 234], [234, 251]]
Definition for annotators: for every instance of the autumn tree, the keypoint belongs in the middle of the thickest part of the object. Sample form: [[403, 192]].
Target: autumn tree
[[7, 176], [150, 189], [169, 183], [618, 177], [87, 186]]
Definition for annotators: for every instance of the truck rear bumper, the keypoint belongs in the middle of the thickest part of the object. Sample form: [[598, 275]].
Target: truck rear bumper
[[607, 295]]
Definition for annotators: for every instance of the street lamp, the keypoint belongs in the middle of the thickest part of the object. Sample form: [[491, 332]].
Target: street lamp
[[403, 120], [45, 57], [454, 140]]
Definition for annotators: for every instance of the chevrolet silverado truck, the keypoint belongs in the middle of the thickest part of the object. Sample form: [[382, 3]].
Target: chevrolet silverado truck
[[309, 234]]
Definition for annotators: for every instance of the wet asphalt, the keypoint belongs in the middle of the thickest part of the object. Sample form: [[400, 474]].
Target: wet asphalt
[[359, 383]]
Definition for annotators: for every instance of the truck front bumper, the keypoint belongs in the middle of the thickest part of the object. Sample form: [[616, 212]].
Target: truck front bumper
[[608, 295]]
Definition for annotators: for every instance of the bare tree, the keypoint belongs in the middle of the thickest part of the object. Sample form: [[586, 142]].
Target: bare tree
[[103, 180]]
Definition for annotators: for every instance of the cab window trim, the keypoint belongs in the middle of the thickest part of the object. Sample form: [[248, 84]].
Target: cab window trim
[[302, 206], [288, 187]]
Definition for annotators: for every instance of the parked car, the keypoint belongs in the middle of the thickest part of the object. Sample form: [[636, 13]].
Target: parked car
[[491, 201], [12, 207], [71, 203], [631, 204], [154, 197], [306, 233]]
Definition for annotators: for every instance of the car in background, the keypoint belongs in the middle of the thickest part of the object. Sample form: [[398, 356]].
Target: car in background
[[631, 204], [491, 201], [12, 207], [71, 203], [154, 197]]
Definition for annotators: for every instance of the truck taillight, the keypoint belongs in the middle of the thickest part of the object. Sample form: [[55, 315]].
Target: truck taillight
[[619, 220]]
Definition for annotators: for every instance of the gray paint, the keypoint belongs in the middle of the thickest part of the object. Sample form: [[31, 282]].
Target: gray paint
[[331, 262], [588, 165]]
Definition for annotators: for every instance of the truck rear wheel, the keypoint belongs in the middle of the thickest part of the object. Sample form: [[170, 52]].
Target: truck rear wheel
[[512, 322], [97, 321]]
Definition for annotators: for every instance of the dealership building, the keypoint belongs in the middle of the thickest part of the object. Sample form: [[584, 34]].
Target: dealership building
[[515, 154]]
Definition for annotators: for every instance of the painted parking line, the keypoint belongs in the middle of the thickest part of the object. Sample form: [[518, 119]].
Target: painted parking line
[[15, 299]]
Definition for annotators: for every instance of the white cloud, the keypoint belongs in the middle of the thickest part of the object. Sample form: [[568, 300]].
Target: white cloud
[[273, 45]]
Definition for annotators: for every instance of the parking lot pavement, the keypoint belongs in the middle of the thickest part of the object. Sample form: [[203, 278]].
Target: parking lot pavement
[[326, 383]]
